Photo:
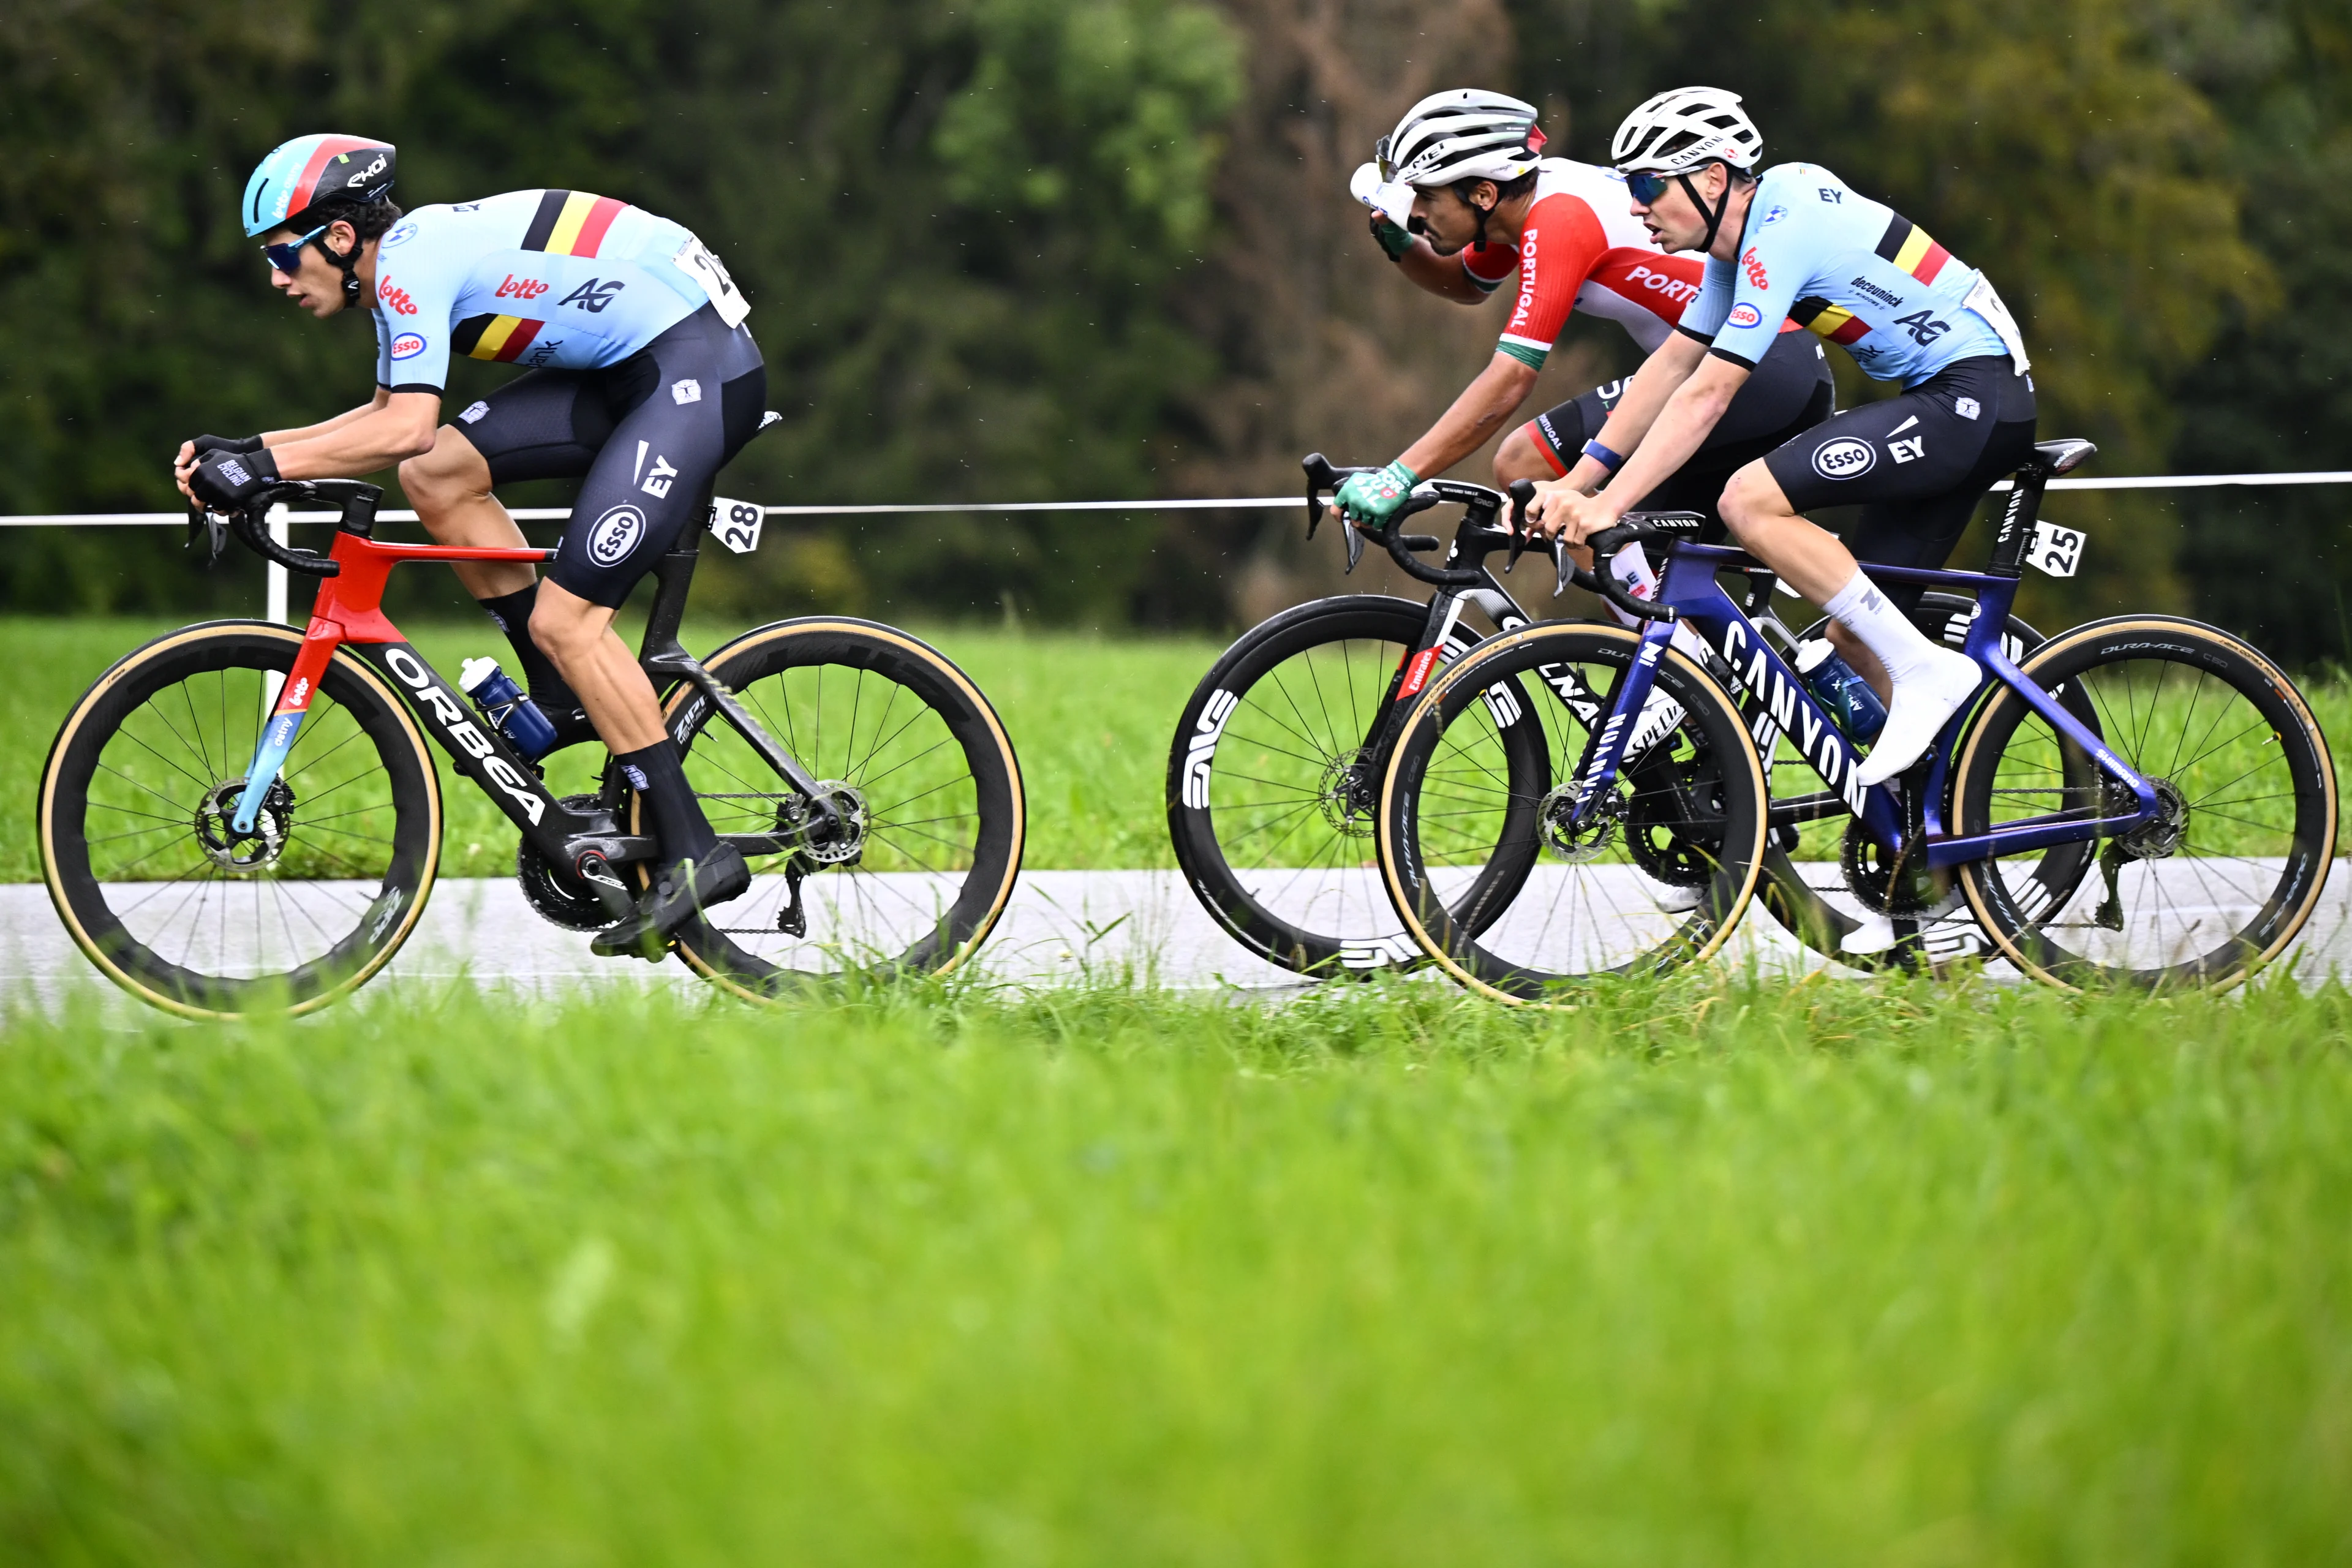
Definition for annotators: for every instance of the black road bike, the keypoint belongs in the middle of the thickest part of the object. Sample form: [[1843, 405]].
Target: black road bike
[[240, 816], [1273, 772]]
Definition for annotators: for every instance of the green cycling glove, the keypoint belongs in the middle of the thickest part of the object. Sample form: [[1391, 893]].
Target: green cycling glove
[[1394, 240], [1374, 498]]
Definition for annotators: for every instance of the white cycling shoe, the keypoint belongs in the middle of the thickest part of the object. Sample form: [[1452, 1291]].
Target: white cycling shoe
[[1921, 704]]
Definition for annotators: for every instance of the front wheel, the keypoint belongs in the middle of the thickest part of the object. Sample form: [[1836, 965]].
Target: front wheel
[[1653, 876], [923, 780], [1275, 772], [144, 864], [2231, 866]]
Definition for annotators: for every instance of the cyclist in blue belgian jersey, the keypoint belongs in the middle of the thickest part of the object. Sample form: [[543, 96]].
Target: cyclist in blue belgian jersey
[[1797, 242], [642, 381]]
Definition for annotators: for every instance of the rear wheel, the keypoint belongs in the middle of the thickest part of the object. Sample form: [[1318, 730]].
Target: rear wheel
[[1272, 783], [923, 780], [1656, 877], [2233, 862], [1906, 921], [152, 878]]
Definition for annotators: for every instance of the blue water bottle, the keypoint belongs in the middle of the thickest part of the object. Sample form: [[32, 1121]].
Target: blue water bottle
[[502, 702], [1850, 702]]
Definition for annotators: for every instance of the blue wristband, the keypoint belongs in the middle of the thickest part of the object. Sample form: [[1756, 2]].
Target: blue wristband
[[1603, 456]]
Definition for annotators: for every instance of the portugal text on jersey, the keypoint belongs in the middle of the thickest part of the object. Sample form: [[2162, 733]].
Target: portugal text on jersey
[[1855, 271]]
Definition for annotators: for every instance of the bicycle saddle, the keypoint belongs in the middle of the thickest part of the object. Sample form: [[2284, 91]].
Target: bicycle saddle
[[2059, 456]]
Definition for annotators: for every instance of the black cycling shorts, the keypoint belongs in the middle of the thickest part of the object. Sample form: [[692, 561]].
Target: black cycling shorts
[[1916, 464], [1788, 393], [650, 434]]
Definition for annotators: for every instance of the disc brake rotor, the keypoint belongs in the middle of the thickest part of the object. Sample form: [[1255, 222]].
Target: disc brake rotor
[[1342, 795], [1575, 842], [223, 846]]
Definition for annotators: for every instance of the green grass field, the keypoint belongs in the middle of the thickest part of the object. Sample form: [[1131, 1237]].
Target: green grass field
[[1727, 1275], [1091, 718]]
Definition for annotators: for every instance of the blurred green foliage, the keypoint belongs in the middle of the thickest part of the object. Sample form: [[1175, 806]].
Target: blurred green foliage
[[972, 232]]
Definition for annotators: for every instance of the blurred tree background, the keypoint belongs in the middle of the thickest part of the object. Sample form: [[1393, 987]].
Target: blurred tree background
[[1056, 249]]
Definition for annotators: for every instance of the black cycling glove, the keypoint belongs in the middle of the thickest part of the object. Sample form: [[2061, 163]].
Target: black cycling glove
[[207, 446], [227, 482]]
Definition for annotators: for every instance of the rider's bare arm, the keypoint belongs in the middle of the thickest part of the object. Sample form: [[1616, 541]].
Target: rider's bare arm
[[364, 442], [1677, 431], [1482, 409], [283, 437], [1660, 377], [1440, 275]]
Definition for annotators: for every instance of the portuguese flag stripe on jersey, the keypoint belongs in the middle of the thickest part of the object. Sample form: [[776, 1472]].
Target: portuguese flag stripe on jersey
[[1838, 325], [1906, 245], [570, 223], [501, 338]]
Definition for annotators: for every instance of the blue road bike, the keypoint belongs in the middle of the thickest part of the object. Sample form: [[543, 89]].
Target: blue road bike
[[2143, 801]]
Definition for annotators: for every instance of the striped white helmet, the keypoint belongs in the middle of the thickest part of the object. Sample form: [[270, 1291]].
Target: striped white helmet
[[1463, 134], [1685, 129]]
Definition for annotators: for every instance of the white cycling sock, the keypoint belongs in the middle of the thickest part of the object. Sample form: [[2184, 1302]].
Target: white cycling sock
[[1930, 680]]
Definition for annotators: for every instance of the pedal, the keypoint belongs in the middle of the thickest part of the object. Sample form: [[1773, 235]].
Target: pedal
[[793, 919], [596, 874]]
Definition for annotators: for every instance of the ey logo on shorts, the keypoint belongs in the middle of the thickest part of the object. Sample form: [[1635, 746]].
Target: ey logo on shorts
[[613, 535], [1844, 458]]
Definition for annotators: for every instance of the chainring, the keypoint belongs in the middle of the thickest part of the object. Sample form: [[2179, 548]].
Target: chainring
[[553, 896], [1899, 892], [1668, 817]]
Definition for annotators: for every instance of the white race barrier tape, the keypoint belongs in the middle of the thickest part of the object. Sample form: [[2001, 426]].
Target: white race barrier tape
[[554, 513]]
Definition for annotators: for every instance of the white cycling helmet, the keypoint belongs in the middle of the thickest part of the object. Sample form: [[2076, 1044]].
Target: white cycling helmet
[[1463, 134], [1685, 129]]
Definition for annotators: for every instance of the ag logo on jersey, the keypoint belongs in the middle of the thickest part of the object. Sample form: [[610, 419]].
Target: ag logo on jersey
[[1775, 215], [401, 233], [408, 345], [1844, 458], [1743, 315], [616, 534]]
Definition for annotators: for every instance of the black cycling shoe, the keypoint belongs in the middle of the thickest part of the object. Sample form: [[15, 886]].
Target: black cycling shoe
[[678, 894]]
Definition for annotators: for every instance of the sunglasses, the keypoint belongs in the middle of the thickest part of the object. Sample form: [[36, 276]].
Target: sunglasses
[[288, 257], [1647, 186]]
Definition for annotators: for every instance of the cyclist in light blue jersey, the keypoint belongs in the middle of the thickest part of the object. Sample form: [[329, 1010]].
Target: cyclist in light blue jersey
[[1798, 243], [642, 381]]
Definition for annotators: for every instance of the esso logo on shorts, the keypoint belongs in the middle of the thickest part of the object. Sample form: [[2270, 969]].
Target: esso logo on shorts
[[1743, 315], [613, 535], [408, 345], [1844, 458]]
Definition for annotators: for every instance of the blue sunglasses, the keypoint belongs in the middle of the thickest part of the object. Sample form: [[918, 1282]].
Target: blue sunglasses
[[288, 257], [1647, 186]]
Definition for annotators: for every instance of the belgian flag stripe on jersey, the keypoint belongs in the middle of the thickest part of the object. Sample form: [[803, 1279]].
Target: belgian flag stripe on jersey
[[570, 223], [498, 338], [1839, 325], [1906, 245]]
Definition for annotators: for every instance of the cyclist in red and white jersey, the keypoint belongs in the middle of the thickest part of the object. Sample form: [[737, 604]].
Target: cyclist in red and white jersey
[[1461, 200]]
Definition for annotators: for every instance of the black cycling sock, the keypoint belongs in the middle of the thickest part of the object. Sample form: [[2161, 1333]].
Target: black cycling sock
[[684, 833], [548, 689]]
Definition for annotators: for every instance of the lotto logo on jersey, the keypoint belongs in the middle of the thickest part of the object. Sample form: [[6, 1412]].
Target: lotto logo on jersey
[[395, 299], [1743, 315], [1753, 266], [516, 288], [408, 345]]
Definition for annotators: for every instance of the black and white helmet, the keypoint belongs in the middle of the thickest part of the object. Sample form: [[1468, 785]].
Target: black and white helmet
[[1465, 133], [1686, 129]]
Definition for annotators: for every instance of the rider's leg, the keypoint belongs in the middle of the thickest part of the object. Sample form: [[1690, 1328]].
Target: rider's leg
[[578, 635], [450, 487], [1521, 457], [1927, 682]]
